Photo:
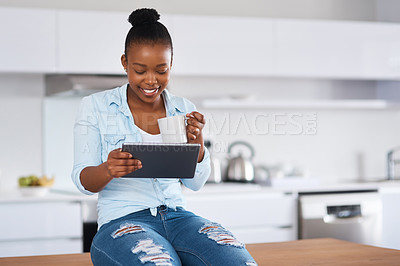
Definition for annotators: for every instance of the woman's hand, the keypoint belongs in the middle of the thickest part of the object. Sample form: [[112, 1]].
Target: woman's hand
[[195, 125], [120, 163], [95, 178]]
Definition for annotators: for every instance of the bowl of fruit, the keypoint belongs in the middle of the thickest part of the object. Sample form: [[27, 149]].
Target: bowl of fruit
[[35, 186]]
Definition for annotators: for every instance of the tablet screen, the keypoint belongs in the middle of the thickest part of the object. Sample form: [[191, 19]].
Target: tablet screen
[[164, 160]]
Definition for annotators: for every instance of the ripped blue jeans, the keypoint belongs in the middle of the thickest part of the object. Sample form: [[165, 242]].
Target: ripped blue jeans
[[172, 237]]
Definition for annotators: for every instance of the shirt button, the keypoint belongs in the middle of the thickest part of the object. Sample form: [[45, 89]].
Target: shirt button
[[155, 179]]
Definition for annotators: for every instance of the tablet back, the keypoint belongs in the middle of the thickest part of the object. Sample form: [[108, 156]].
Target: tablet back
[[164, 160]]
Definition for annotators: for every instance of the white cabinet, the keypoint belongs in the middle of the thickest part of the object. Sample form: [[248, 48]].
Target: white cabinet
[[28, 40], [40, 228], [40, 247], [331, 49], [91, 42], [390, 217], [252, 216], [222, 46]]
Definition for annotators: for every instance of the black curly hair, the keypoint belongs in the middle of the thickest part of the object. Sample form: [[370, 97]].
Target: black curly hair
[[146, 29]]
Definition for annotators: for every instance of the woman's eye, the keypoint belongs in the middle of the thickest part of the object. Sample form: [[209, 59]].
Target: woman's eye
[[162, 72], [139, 72]]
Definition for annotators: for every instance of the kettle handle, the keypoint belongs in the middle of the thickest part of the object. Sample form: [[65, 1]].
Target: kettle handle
[[240, 142]]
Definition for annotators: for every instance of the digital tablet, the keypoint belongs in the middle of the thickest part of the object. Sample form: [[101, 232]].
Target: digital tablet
[[163, 160]]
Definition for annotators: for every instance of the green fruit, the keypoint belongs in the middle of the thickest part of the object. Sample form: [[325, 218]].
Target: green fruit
[[24, 182]]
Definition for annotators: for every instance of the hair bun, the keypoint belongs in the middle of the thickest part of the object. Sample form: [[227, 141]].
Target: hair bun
[[143, 16]]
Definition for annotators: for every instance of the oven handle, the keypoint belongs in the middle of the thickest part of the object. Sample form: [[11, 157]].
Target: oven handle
[[332, 219]]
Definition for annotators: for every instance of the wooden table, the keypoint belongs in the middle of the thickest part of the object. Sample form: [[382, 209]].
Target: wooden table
[[321, 252]]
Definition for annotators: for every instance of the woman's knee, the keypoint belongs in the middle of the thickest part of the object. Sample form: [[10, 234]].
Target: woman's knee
[[210, 243], [130, 243]]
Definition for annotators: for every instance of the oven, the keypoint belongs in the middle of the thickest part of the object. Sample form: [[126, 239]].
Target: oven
[[89, 218]]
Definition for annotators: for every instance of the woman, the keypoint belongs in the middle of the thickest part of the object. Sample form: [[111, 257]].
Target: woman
[[143, 220]]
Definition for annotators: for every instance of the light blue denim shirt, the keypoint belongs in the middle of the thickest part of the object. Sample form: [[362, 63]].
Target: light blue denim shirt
[[103, 123]]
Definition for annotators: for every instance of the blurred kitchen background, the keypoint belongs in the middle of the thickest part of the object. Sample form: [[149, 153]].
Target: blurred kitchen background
[[255, 68], [313, 86]]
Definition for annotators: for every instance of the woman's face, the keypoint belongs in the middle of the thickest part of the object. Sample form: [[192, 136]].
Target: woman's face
[[148, 68]]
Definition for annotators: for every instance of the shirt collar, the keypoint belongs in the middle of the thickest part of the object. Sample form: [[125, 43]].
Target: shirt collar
[[119, 97], [171, 103]]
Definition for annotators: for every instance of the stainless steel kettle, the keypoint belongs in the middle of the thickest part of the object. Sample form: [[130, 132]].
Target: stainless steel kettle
[[240, 169]]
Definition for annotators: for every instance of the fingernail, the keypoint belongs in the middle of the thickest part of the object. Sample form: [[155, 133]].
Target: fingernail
[[130, 156]]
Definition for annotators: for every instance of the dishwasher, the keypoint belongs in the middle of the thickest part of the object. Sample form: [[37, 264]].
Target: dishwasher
[[354, 216]]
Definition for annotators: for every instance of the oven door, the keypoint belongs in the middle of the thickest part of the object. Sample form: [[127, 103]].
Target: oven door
[[89, 218]]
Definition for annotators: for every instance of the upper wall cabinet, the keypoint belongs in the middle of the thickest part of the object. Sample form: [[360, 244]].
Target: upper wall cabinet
[[91, 42], [222, 46], [28, 40], [329, 49]]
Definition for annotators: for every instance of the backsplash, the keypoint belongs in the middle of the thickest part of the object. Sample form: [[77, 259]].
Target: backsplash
[[334, 145]]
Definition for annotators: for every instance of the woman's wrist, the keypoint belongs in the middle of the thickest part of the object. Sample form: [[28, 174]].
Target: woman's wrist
[[201, 154], [106, 171]]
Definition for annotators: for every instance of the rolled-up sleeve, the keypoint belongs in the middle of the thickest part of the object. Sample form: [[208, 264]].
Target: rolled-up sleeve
[[87, 142], [201, 175]]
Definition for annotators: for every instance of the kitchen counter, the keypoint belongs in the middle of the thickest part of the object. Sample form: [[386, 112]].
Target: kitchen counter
[[323, 252], [75, 195], [295, 187], [51, 196]]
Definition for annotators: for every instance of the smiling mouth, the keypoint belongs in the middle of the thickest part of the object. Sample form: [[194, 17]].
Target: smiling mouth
[[150, 92]]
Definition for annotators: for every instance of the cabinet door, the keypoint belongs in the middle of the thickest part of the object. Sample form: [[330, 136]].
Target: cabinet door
[[244, 209], [91, 42], [263, 234], [28, 38], [390, 217], [40, 220], [382, 51], [329, 49], [222, 46], [40, 247]]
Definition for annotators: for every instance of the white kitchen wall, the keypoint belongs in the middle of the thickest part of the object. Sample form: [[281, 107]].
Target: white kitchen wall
[[347, 144], [58, 121], [329, 144], [21, 127]]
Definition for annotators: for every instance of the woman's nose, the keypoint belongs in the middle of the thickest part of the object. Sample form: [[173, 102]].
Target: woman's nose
[[151, 78]]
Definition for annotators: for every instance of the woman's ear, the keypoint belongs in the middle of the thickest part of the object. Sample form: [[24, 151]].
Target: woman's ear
[[124, 62]]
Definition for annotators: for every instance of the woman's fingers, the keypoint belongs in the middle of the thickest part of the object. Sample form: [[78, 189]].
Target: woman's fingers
[[191, 136], [198, 116], [121, 163], [127, 162], [195, 123], [119, 154], [121, 170], [191, 130]]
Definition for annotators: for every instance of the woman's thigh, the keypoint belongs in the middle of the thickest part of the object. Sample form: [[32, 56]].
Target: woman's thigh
[[199, 241], [131, 243]]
